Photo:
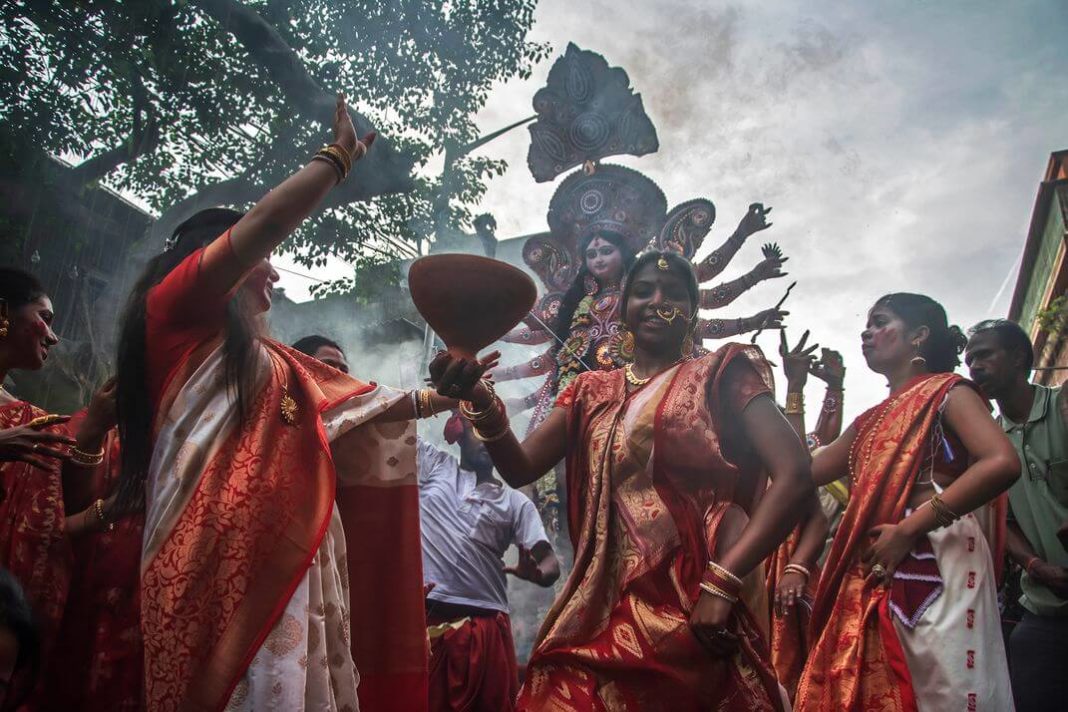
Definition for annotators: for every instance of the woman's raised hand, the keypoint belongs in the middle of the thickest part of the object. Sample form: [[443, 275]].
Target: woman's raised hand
[[345, 131], [462, 378], [30, 444]]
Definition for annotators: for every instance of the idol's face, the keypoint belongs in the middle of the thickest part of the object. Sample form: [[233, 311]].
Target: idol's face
[[259, 286], [658, 309], [29, 335], [604, 261], [885, 341], [332, 357]]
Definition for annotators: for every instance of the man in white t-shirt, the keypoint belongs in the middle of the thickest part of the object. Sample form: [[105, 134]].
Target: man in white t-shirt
[[468, 520]]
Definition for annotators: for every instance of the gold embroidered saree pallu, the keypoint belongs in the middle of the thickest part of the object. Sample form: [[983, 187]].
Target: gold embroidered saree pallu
[[857, 661], [251, 532], [650, 494]]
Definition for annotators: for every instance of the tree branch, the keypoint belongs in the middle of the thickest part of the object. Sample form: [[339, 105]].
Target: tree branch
[[383, 170]]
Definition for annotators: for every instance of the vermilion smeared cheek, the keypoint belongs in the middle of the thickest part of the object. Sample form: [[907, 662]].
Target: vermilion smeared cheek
[[882, 337]]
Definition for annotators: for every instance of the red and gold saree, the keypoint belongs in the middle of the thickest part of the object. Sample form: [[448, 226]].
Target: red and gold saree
[[33, 541], [651, 492], [881, 647], [252, 528], [101, 658]]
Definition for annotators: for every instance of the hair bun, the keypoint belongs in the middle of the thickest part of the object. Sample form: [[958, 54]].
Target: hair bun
[[957, 338]]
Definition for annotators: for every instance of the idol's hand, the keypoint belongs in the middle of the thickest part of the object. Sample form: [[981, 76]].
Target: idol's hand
[[709, 621], [755, 220], [767, 320], [770, 268], [790, 590], [345, 131], [462, 378], [892, 544]]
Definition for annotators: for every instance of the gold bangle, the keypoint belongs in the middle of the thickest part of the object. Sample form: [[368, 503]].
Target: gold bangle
[[943, 514], [345, 155], [332, 162], [99, 507], [717, 591], [495, 437], [795, 404], [339, 155], [468, 411], [86, 459], [798, 569], [724, 572]]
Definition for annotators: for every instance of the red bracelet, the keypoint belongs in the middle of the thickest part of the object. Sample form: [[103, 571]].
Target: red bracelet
[[1030, 562], [717, 579]]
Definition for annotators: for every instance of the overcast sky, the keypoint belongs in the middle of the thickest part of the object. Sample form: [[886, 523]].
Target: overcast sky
[[900, 143]]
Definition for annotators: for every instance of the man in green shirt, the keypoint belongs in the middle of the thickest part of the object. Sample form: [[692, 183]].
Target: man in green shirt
[[1035, 418]]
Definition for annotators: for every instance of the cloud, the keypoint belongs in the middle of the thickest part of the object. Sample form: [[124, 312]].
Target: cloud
[[900, 143]]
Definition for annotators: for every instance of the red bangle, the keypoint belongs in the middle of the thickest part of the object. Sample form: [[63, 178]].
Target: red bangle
[[1030, 562], [721, 582]]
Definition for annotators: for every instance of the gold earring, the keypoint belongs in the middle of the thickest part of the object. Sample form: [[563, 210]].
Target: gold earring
[[688, 343], [918, 360], [626, 345]]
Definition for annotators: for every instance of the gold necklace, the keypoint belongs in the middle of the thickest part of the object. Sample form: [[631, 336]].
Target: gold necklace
[[628, 372], [633, 380]]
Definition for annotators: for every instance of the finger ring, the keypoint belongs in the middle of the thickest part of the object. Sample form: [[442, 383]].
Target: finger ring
[[879, 570]]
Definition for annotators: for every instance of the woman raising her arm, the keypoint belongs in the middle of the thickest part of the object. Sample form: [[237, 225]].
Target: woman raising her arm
[[662, 461], [248, 456], [906, 615]]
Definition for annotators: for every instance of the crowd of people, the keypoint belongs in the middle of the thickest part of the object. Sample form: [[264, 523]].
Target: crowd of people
[[234, 523]]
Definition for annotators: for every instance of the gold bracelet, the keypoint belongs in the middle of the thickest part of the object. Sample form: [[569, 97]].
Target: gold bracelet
[[495, 437], [943, 514], [99, 507], [333, 163], [86, 459], [724, 572], [467, 408], [346, 156], [795, 404], [717, 591], [798, 569], [339, 156]]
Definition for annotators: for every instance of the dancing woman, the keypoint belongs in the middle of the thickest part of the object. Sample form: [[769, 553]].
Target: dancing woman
[[248, 457], [662, 459], [906, 615]]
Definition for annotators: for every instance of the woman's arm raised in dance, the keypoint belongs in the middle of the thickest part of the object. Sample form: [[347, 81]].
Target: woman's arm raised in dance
[[278, 213]]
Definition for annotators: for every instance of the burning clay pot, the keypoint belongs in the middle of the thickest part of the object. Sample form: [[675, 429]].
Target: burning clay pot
[[470, 301]]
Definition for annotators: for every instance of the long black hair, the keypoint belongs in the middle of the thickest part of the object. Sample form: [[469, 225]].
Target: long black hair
[[944, 345], [577, 290], [134, 404], [19, 287]]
